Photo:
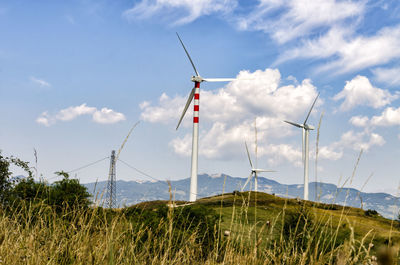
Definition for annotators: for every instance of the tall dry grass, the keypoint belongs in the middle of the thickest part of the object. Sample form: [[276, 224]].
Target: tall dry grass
[[36, 234]]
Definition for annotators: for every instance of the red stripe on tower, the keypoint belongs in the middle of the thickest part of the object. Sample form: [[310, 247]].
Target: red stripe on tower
[[195, 119], [196, 107], [196, 96]]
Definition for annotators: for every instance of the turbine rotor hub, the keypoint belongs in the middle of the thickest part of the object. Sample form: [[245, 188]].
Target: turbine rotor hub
[[197, 79]]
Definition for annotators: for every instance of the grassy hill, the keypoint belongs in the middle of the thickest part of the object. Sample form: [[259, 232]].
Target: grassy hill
[[270, 220], [239, 228], [262, 207]]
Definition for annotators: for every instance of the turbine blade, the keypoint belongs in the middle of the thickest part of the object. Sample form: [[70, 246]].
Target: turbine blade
[[263, 170], [294, 124], [247, 181], [190, 59], [186, 107], [312, 106], [218, 79], [248, 155]]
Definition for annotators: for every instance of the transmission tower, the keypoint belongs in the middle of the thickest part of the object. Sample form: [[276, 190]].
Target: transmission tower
[[111, 201]]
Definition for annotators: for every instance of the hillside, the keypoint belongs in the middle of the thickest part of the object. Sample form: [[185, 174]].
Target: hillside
[[240, 211], [132, 192]]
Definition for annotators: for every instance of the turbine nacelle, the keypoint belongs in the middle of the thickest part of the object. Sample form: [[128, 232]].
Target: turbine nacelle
[[308, 127], [197, 79]]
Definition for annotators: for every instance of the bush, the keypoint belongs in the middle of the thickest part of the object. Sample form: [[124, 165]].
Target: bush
[[6, 181], [371, 213], [195, 221], [68, 192]]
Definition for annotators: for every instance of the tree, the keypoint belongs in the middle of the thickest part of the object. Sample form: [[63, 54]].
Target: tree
[[28, 189], [68, 192], [6, 181]]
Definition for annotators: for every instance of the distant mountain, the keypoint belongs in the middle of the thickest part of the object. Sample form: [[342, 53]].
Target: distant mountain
[[132, 192]]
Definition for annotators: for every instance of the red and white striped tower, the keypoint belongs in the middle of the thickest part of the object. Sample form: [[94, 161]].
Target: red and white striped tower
[[195, 95], [195, 143]]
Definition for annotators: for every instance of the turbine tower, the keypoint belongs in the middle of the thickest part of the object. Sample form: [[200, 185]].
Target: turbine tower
[[195, 94], [111, 200], [305, 130]]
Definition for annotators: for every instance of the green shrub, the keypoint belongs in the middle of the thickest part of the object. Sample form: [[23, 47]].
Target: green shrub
[[371, 213]]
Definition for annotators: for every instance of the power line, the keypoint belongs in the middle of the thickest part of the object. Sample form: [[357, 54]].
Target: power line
[[153, 178], [141, 172], [88, 165]]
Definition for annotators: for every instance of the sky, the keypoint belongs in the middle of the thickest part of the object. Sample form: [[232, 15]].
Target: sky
[[75, 76]]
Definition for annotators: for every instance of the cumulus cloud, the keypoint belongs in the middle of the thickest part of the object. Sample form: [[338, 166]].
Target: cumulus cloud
[[71, 113], [190, 9], [389, 117], [40, 82], [227, 115], [359, 91], [298, 18], [359, 121], [390, 76], [352, 140], [104, 116], [329, 152], [107, 116], [349, 51]]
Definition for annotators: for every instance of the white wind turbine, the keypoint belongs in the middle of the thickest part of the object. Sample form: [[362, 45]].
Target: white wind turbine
[[254, 170], [305, 129], [195, 93]]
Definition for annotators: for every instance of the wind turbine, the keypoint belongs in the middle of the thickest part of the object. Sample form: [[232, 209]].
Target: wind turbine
[[305, 129], [195, 93], [254, 170]]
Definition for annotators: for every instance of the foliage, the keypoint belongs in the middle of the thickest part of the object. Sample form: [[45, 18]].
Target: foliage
[[6, 181], [371, 213], [298, 227], [197, 221], [27, 189], [68, 192], [14, 193]]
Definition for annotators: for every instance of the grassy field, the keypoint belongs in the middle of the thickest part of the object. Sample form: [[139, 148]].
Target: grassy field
[[262, 228]]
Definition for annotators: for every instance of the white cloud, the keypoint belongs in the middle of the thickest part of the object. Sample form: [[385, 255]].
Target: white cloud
[[71, 113], [44, 119], [227, 115], [40, 82], [299, 18], [107, 116], [359, 121], [359, 91], [358, 140], [192, 9], [104, 115], [349, 51], [327, 152], [390, 76], [355, 141], [389, 117]]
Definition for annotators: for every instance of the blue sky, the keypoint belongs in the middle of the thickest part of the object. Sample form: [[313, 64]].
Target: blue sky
[[76, 75]]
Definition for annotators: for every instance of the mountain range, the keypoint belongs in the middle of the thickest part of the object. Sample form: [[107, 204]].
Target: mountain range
[[133, 192]]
